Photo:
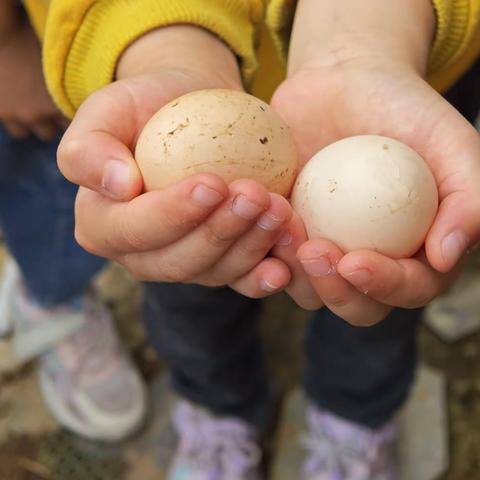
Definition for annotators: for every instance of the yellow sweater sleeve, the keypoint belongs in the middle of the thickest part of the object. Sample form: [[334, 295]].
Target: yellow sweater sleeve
[[83, 39], [456, 45]]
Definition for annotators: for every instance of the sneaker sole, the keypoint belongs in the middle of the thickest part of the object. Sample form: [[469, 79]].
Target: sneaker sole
[[67, 418]]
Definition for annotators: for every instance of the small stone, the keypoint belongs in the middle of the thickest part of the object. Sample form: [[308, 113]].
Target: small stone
[[455, 315]]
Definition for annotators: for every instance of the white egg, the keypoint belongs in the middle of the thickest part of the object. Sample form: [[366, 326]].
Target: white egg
[[368, 192]]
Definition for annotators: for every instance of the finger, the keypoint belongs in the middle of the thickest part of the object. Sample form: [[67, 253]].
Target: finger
[[151, 221], [95, 150], [198, 251], [408, 283], [456, 229], [286, 248], [320, 259], [453, 154], [45, 130], [16, 129], [268, 277], [254, 245]]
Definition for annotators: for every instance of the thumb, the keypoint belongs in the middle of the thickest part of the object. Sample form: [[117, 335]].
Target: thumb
[[95, 151], [456, 229]]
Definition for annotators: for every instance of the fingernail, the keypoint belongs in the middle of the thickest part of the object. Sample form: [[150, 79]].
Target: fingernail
[[116, 178], [359, 277], [206, 196], [269, 287], [268, 221], [454, 246], [319, 267], [285, 239], [243, 207]]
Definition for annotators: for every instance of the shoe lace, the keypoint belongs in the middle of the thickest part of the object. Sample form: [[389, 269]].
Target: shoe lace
[[325, 454], [357, 459], [93, 348], [222, 444]]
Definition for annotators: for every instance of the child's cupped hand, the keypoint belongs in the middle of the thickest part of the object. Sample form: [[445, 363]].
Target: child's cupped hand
[[197, 231], [323, 104]]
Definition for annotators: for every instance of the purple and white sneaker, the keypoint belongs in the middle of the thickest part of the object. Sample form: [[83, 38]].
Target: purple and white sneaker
[[87, 379], [341, 450], [213, 448]]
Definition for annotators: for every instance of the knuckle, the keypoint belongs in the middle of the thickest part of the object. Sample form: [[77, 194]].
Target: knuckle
[[130, 236], [85, 242], [133, 268], [68, 153], [338, 301], [251, 250], [173, 273], [310, 305], [157, 270], [219, 276], [253, 294], [361, 322], [27, 117], [420, 300], [218, 238], [174, 220]]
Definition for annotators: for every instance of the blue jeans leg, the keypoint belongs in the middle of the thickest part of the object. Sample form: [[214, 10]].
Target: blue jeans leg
[[37, 218]]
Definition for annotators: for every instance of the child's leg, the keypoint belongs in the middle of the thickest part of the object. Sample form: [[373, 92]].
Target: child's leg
[[209, 338], [357, 379], [361, 374], [36, 214]]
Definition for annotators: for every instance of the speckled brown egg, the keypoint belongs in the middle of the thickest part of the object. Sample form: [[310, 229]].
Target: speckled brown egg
[[225, 132]]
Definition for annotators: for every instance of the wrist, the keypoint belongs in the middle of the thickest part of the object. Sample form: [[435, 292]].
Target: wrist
[[329, 34], [182, 47]]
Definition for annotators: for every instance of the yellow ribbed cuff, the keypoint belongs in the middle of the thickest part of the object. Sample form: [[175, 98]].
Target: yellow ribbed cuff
[[456, 45], [457, 41], [108, 27], [454, 28]]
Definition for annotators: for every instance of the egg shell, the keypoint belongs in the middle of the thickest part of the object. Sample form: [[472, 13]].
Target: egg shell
[[368, 192], [225, 132]]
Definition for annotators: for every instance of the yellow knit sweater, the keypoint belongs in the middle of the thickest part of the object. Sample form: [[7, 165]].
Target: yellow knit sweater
[[83, 39]]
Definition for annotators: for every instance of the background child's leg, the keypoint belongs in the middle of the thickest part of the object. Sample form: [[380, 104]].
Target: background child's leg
[[36, 214], [102, 398], [209, 338]]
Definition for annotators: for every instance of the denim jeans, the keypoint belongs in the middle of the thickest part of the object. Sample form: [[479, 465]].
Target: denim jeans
[[37, 219]]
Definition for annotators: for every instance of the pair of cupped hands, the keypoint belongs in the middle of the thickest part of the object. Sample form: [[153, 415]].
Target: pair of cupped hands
[[206, 232]]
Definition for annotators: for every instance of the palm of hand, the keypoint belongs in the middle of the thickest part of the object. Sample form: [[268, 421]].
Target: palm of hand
[[400, 106], [323, 106]]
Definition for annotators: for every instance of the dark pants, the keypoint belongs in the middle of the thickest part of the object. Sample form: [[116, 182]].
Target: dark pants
[[209, 338]]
